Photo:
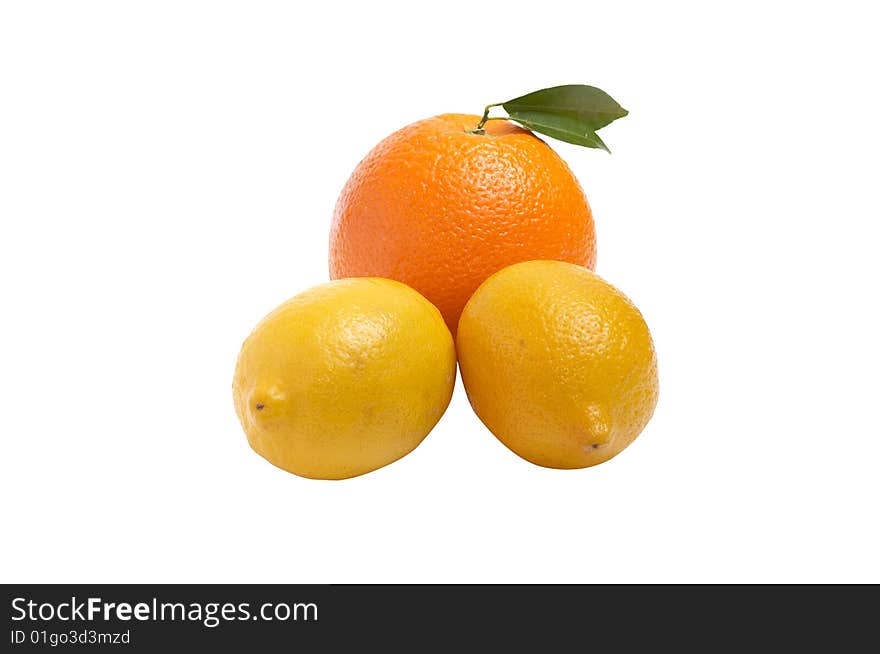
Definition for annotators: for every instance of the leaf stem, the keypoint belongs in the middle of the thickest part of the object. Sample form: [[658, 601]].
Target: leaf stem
[[479, 128]]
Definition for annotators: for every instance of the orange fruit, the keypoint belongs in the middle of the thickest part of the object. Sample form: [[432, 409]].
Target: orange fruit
[[440, 208]]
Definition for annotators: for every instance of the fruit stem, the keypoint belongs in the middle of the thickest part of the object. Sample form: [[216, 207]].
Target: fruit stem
[[479, 128]]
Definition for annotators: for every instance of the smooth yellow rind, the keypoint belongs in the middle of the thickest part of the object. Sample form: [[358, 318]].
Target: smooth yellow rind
[[557, 363], [344, 378]]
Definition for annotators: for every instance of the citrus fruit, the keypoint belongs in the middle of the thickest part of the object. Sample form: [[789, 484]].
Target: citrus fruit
[[344, 378], [557, 363], [441, 208]]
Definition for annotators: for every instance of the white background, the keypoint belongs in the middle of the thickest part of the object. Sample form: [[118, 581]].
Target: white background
[[168, 172]]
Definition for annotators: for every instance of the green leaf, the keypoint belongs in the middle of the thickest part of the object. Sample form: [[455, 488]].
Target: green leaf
[[558, 126], [590, 105], [570, 113]]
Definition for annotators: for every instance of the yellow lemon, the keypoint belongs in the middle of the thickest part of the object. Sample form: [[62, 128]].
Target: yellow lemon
[[344, 378], [557, 363]]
